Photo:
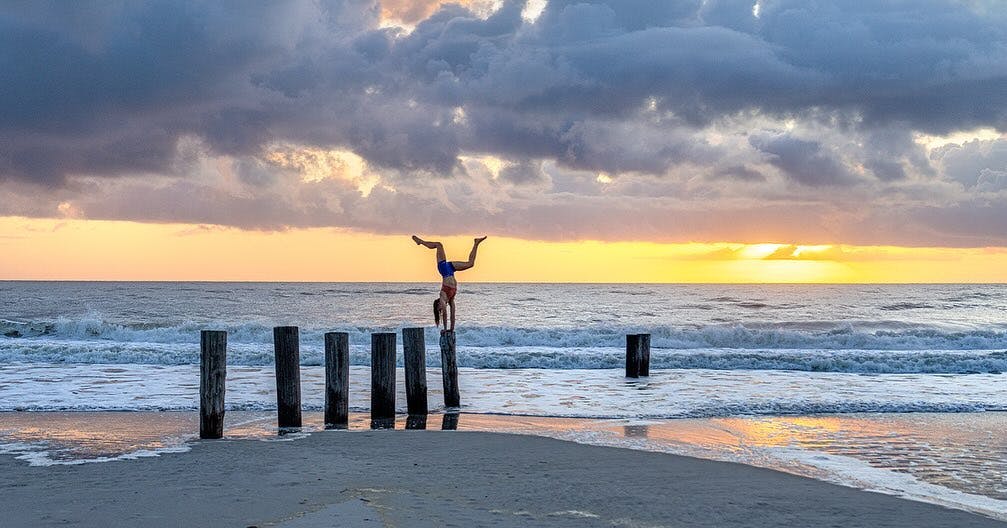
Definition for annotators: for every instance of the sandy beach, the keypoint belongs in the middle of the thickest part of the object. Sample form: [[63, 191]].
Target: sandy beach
[[435, 478]]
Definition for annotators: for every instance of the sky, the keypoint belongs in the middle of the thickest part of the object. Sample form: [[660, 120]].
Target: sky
[[597, 141]]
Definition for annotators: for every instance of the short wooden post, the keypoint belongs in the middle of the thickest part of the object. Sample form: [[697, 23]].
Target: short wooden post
[[212, 376], [645, 355], [287, 357], [382, 376], [337, 379], [449, 371], [633, 356], [415, 361], [449, 422]]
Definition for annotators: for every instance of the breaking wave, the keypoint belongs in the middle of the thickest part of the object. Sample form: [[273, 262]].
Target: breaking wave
[[818, 347]]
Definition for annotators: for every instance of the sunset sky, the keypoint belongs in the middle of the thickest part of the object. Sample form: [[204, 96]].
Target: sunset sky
[[599, 141]]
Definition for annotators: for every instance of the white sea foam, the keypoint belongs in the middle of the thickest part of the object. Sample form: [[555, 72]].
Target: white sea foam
[[509, 357], [40, 454], [780, 335], [596, 393], [856, 473], [913, 350]]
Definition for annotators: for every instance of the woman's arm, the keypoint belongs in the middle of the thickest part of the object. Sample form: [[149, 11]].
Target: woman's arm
[[452, 304]]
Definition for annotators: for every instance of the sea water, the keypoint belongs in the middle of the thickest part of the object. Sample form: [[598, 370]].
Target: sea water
[[763, 352], [530, 349]]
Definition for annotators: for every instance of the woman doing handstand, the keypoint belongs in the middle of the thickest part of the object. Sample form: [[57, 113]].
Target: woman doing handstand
[[449, 286]]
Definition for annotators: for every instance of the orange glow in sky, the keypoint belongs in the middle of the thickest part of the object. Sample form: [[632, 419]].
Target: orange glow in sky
[[104, 250]]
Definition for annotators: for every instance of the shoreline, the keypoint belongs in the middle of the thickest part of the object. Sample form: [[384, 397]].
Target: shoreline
[[435, 478]]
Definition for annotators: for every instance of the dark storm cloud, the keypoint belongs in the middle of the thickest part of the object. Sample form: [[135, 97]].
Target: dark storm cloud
[[631, 88], [82, 82], [117, 100]]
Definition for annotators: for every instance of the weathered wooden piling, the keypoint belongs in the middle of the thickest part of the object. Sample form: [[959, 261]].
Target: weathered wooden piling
[[633, 355], [644, 354], [212, 376], [337, 379], [449, 371], [287, 355], [414, 351], [382, 376]]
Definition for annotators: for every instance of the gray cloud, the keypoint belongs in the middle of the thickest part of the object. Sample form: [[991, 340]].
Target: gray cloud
[[973, 162], [740, 172], [804, 161]]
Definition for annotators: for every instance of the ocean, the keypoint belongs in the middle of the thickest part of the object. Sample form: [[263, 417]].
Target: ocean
[[534, 349], [722, 354]]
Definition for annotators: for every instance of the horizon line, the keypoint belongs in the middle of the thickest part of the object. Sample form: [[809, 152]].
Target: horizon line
[[694, 283]]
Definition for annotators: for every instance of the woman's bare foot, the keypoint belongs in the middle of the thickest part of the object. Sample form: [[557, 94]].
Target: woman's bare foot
[[480, 239], [417, 239]]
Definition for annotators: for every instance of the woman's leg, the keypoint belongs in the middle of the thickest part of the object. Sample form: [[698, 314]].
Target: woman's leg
[[432, 245], [459, 265]]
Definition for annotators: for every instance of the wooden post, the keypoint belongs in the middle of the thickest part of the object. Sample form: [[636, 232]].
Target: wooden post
[[287, 356], [382, 376], [337, 379], [415, 361], [633, 356], [449, 371], [212, 375], [645, 355]]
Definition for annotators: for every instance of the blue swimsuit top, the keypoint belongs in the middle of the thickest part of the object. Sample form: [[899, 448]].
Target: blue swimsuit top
[[445, 268]]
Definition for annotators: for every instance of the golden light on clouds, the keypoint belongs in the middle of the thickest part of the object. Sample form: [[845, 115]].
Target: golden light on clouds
[[405, 14], [533, 9], [315, 165], [105, 250], [491, 163], [958, 138]]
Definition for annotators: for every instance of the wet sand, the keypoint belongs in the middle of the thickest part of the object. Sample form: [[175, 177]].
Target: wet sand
[[438, 478]]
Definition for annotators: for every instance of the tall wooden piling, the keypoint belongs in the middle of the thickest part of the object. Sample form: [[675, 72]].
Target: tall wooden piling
[[337, 379], [414, 351], [287, 354], [633, 356], [449, 371], [382, 376], [645, 354], [212, 376]]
